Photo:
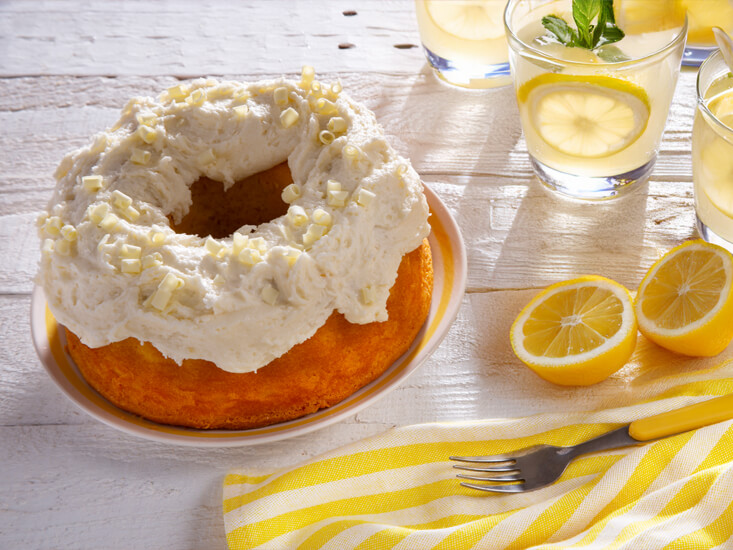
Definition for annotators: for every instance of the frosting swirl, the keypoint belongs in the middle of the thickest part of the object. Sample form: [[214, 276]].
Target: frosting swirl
[[112, 267]]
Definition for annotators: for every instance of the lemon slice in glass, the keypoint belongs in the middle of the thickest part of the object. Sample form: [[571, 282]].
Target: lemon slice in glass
[[685, 302], [586, 116], [468, 20], [577, 332]]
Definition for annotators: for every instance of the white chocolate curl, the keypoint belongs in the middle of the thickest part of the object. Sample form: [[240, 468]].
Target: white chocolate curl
[[243, 300]]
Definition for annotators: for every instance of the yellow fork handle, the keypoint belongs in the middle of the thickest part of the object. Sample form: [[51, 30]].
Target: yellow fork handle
[[684, 419]]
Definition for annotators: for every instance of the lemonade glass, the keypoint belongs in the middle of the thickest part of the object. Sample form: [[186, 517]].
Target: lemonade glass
[[464, 41], [702, 16], [592, 120], [712, 152]]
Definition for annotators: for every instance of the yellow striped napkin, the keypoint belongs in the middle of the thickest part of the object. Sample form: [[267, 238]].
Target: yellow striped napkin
[[398, 490]]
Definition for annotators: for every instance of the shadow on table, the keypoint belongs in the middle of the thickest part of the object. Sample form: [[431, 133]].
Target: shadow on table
[[456, 131]]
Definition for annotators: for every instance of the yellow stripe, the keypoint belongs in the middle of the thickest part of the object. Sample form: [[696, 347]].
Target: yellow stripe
[[689, 495], [377, 460], [239, 479], [388, 502], [386, 538], [468, 535], [720, 453], [655, 460], [712, 535], [327, 532], [265, 530], [702, 388], [553, 518]]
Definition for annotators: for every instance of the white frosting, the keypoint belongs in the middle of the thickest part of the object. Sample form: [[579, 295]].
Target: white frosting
[[118, 270]]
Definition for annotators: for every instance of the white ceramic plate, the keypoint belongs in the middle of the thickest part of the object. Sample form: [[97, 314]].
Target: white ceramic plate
[[449, 266]]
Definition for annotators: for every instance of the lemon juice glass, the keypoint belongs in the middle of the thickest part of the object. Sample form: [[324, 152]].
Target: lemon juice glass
[[712, 152], [464, 41], [702, 16], [592, 119]]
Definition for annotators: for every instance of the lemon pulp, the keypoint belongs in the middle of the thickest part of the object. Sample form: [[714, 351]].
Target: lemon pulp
[[685, 302], [684, 291], [468, 20], [572, 321], [586, 116]]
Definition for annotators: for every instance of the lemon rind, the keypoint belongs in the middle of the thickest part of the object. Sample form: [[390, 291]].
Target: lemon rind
[[649, 326]]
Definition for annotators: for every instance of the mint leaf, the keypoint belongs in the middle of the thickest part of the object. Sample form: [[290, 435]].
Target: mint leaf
[[584, 12], [599, 28], [595, 22], [612, 54], [557, 26], [607, 10], [611, 34]]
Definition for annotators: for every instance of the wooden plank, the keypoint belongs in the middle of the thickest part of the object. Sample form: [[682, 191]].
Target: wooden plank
[[205, 38]]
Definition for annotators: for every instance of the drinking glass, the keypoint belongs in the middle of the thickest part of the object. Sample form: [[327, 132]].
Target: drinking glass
[[702, 16], [464, 41], [592, 120], [712, 152]]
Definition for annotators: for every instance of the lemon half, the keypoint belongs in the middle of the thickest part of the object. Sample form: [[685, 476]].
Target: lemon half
[[468, 20], [685, 302], [586, 116], [577, 332]]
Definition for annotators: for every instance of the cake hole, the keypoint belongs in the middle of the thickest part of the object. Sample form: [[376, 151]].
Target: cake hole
[[251, 201]]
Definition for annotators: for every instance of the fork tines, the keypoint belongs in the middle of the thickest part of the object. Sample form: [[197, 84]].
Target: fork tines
[[499, 464]]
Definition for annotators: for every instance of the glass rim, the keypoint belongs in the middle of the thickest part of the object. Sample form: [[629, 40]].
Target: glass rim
[[681, 36], [709, 60]]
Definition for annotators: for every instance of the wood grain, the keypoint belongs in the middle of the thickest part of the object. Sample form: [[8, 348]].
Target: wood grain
[[192, 37]]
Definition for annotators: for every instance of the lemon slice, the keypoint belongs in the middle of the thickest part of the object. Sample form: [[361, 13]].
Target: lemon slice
[[577, 332], [685, 302], [468, 20], [586, 116]]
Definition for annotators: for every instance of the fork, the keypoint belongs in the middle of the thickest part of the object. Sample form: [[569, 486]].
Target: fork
[[541, 465]]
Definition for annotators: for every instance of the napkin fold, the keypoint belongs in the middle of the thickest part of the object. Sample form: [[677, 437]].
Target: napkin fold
[[399, 491]]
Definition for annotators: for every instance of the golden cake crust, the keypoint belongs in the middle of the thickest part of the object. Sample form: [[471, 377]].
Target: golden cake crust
[[335, 362]]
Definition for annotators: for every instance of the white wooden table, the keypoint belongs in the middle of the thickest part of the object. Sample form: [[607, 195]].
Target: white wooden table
[[68, 66]]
